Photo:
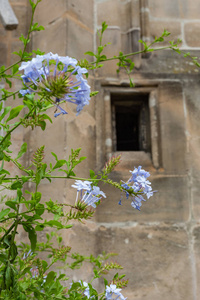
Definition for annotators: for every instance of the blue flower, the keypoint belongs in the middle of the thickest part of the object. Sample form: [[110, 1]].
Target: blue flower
[[138, 186], [138, 172], [91, 195], [64, 82], [113, 293]]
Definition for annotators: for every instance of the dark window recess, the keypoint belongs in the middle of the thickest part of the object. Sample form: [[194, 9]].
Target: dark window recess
[[131, 123]]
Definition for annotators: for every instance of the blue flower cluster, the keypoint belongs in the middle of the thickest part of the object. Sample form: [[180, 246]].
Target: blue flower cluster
[[113, 293], [88, 195], [137, 186], [65, 82]]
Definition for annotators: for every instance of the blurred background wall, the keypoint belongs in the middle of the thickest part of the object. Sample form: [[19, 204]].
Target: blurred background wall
[[159, 247]]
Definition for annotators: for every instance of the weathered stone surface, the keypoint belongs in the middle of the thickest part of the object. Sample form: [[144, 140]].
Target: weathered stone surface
[[160, 260], [15, 47], [18, 2], [79, 39], [156, 259], [170, 63], [7, 15], [113, 36], [82, 11], [195, 241], [108, 11], [189, 9], [172, 126], [157, 28], [53, 39], [191, 34], [49, 12], [3, 56], [165, 9], [195, 183], [21, 13], [170, 203]]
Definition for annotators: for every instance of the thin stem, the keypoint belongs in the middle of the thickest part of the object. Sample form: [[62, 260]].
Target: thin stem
[[8, 68], [7, 232], [133, 53], [53, 177], [9, 132], [21, 214], [25, 44], [12, 94]]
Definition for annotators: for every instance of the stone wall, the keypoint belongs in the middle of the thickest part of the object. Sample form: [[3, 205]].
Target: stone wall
[[159, 246]]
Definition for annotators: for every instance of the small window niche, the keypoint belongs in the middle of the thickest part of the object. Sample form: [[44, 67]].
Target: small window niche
[[131, 126], [131, 122]]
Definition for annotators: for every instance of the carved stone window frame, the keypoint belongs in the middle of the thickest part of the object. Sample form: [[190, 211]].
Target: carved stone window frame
[[105, 134]]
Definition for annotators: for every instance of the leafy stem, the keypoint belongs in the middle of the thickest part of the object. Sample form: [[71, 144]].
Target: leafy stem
[[26, 41], [17, 125]]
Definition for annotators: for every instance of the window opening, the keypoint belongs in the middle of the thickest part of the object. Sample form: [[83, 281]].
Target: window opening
[[131, 122]]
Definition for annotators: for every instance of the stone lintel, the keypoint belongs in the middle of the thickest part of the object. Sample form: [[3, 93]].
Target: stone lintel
[[7, 15]]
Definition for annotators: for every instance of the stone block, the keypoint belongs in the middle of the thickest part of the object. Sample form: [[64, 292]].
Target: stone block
[[196, 260], [18, 2], [191, 34], [3, 51], [2, 31], [49, 12], [135, 13], [22, 15], [7, 15], [79, 39], [169, 9], [82, 11], [53, 138], [167, 64], [81, 132], [192, 106], [156, 259], [172, 127], [195, 183], [115, 13], [108, 11], [82, 239], [170, 202], [157, 28], [53, 39], [113, 36], [15, 47], [189, 9]]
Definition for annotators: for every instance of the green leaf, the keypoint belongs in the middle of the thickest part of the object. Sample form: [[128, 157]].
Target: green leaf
[[39, 227], [22, 150], [13, 252], [15, 69], [104, 26], [54, 155], [40, 209], [59, 164], [33, 5], [50, 277], [4, 112], [15, 185], [15, 112], [90, 53], [11, 204], [100, 49], [92, 174], [4, 172], [131, 83], [4, 213], [31, 234]]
